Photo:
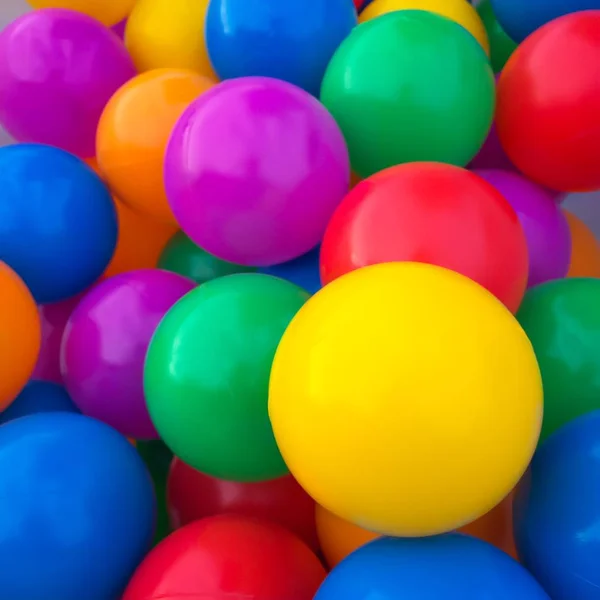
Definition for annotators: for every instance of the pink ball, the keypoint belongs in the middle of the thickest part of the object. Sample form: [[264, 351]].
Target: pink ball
[[58, 69], [105, 343], [254, 169]]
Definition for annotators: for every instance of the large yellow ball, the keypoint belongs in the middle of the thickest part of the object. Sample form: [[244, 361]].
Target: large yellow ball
[[110, 12], [459, 11], [169, 34], [406, 399]]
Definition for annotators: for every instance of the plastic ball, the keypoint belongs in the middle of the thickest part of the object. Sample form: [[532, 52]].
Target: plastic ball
[[548, 98], [228, 556], [269, 164], [501, 45], [181, 255], [545, 226], [557, 509], [207, 375], [38, 397], [59, 224], [133, 133], [105, 342], [287, 40], [21, 335], [436, 379], [452, 566], [521, 19], [562, 321], [192, 495], [410, 86], [459, 11], [84, 505], [68, 66], [585, 251], [431, 213], [108, 12], [303, 271], [169, 34]]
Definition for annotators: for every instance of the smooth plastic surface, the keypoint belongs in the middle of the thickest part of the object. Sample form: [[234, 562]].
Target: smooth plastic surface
[[431, 213], [254, 169], [501, 45], [59, 225], [453, 567], [413, 369], [229, 557], [557, 510], [562, 321], [105, 343], [303, 271], [110, 13], [78, 509], [58, 68], [410, 86], [207, 374], [585, 249]]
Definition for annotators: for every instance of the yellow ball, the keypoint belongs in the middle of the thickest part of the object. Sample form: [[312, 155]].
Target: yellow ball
[[406, 399], [459, 11], [169, 33], [110, 12]]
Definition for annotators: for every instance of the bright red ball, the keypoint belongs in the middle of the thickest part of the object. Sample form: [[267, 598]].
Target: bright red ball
[[431, 213], [548, 113], [231, 557], [192, 495]]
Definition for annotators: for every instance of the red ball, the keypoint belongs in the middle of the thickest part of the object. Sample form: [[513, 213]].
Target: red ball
[[192, 495], [430, 213], [548, 114], [228, 556]]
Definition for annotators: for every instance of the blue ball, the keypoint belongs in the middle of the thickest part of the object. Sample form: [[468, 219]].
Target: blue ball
[[519, 18], [58, 222], [446, 567], [303, 271], [77, 509], [557, 512], [292, 40], [39, 397]]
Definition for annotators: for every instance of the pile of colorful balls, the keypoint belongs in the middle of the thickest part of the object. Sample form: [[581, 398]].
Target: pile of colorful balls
[[290, 307]]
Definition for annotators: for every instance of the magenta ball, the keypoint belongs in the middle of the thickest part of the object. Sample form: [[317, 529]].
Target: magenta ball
[[545, 226], [58, 69], [254, 169], [105, 342]]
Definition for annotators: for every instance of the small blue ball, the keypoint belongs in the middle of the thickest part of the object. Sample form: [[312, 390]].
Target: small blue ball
[[292, 40], [58, 222], [557, 512], [39, 397], [446, 567], [77, 509], [303, 271]]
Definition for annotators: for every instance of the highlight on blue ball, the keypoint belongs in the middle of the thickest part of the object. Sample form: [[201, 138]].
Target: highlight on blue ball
[[302, 271], [77, 509], [39, 397], [446, 567], [286, 39], [58, 222], [557, 512]]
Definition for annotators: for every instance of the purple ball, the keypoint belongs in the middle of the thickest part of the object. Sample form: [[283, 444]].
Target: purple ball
[[254, 170], [58, 69], [105, 342], [545, 226]]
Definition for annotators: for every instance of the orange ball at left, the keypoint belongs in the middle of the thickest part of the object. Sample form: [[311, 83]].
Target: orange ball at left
[[20, 335]]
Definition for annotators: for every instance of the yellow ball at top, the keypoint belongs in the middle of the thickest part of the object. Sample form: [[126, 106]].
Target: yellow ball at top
[[459, 11], [406, 399], [110, 12]]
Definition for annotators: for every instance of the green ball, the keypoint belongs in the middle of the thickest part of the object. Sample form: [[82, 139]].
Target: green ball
[[501, 46], [182, 256], [206, 376], [410, 86], [562, 320]]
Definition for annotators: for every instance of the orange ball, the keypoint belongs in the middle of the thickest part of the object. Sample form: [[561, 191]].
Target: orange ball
[[133, 133], [585, 251], [20, 336]]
